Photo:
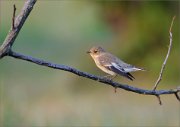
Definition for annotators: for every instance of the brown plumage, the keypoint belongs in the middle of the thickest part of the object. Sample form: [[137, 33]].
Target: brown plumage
[[111, 64]]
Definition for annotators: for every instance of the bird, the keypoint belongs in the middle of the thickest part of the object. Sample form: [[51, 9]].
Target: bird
[[111, 64]]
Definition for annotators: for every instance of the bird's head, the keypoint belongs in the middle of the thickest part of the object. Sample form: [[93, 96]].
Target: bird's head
[[96, 51]]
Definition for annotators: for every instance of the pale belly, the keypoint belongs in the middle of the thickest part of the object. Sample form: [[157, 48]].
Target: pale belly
[[104, 69]]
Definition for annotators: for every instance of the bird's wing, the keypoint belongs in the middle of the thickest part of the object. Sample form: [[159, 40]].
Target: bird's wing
[[128, 67], [119, 70], [106, 61]]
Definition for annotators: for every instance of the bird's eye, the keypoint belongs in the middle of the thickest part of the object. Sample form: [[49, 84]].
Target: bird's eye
[[95, 51]]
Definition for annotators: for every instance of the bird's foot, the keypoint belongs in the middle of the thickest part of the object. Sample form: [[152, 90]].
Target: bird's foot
[[110, 77], [107, 76]]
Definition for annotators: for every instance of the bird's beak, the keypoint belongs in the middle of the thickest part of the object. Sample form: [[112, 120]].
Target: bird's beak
[[88, 52]]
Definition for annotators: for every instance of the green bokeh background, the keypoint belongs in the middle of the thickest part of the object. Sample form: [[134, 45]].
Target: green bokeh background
[[62, 32]]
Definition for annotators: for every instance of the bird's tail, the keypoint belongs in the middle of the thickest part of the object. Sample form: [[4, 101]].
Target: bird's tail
[[142, 69], [132, 69], [129, 76]]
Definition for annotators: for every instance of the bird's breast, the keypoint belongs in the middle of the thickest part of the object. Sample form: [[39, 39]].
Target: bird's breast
[[103, 68]]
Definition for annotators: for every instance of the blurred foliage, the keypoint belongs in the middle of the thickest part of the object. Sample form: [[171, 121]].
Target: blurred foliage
[[62, 32]]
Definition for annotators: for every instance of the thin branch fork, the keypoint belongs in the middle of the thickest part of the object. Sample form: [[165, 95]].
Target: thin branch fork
[[165, 60], [17, 23]]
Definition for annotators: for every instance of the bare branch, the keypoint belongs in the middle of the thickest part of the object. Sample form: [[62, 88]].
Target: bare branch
[[90, 76], [169, 50], [14, 15], [16, 26]]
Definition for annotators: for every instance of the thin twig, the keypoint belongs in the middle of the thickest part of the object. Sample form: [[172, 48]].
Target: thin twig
[[159, 99], [177, 96], [169, 50], [13, 18]]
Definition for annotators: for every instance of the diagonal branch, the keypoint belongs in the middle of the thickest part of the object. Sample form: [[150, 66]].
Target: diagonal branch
[[17, 24], [90, 76], [165, 60]]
